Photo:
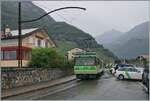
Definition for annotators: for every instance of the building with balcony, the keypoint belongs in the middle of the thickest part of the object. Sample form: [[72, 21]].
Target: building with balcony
[[31, 38]]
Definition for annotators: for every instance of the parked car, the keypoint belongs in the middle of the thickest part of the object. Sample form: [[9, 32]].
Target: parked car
[[128, 73], [145, 77], [120, 66]]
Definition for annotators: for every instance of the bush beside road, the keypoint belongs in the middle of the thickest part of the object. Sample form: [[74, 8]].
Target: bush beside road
[[48, 58]]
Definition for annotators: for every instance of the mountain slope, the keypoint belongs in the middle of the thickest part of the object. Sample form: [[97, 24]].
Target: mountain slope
[[132, 48], [140, 31], [63, 31], [132, 43], [108, 37], [9, 10], [65, 35]]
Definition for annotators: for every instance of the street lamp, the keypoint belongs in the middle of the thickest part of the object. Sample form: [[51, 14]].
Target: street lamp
[[32, 20]]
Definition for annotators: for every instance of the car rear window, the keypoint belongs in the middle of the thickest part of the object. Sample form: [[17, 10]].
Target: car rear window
[[125, 69], [123, 65]]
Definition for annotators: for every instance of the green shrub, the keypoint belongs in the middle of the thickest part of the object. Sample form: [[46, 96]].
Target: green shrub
[[47, 58]]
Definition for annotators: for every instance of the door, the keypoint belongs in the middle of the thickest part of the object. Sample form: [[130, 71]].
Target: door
[[136, 74], [128, 73]]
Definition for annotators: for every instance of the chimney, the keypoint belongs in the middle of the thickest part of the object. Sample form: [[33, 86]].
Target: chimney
[[7, 31]]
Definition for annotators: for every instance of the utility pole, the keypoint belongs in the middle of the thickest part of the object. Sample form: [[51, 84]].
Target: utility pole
[[19, 37]]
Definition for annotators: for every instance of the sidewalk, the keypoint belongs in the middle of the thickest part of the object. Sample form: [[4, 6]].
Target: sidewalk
[[38, 86]]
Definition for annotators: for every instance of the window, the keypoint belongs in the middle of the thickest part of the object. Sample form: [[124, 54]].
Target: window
[[85, 61], [124, 65], [12, 54], [125, 69], [2, 55], [121, 69], [46, 43], [6, 55], [26, 54], [43, 43], [9, 55], [134, 70], [39, 42], [129, 69], [36, 42]]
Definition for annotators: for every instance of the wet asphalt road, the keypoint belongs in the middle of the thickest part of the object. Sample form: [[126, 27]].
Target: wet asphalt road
[[105, 88]]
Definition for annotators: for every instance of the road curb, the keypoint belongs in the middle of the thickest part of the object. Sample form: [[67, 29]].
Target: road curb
[[143, 86], [5, 95]]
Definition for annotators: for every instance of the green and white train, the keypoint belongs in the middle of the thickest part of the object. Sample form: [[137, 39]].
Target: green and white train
[[87, 65]]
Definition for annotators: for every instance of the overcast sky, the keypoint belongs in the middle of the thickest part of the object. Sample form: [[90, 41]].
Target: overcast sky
[[100, 16]]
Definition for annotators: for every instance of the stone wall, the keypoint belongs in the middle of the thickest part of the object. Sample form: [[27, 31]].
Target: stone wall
[[12, 78]]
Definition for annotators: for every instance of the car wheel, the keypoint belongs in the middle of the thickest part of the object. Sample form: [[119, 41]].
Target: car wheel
[[120, 77]]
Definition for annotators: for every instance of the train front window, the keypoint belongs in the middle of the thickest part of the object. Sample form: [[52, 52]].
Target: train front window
[[85, 61]]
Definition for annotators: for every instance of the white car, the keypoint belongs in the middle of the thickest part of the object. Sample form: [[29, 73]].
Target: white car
[[128, 73]]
